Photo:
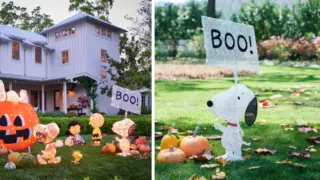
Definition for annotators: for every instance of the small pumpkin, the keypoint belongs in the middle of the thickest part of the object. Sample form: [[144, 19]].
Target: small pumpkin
[[109, 148], [9, 166], [26, 160], [134, 152], [12, 156], [141, 140], [168, 141], [192, 145], [3, 150], [133, 147], [144, 148], [171, 155]]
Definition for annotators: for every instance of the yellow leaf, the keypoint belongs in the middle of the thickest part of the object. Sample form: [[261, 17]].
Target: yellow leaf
[[180, 138], [193, 177], [166, 127], [292, 147], [262, 121], [222, 161], [219, 174]]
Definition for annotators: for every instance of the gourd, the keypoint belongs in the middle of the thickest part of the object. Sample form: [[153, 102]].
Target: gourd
[[171, 155], [168, 140], [3, 150], [109, 148], [192, 145], [26, 160], [144, 148], [141, 140], [12, 156], [9, 166]]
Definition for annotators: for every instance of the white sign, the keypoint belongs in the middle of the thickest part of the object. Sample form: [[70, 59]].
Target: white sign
[[230, 44], [126, 99]]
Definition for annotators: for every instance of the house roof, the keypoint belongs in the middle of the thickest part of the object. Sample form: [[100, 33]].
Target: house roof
[[80, 16], [13, 32]]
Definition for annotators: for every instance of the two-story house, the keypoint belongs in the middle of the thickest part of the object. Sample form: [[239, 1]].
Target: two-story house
[[46, 63]]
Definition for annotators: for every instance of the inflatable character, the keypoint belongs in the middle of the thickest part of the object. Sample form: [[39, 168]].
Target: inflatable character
[[124, 129], [73, 133], [96, 121]]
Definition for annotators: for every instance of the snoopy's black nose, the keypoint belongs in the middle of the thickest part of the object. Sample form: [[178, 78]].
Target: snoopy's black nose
[[210, 103]]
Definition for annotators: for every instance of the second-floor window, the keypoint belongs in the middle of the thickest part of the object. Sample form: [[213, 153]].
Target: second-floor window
[[103, 72], [65, 57], [38, 55], [103, 32], [66, 32], [104, 55], [15, 50]]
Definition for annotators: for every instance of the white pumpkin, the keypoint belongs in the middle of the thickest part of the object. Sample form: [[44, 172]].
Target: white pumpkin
[[10, 165]]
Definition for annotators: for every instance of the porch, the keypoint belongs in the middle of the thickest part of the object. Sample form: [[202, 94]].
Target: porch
[[51, 96]]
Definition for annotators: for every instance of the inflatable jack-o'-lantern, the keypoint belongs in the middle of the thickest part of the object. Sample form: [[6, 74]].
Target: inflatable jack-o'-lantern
[[17, 120]]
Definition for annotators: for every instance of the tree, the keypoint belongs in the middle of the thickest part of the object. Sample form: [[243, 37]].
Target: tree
[[98, 8], [133, 71], [17, 16]]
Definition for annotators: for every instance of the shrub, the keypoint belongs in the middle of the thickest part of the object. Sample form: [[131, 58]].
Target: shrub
[[143, 124], [52, 114], [146, 110], [72, 114]]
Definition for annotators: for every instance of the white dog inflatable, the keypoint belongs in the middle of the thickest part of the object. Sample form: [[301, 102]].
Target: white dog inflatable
[[231, 106]]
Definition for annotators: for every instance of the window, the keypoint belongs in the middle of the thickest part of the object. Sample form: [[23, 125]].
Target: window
[[57, 35], [72, 31], [38, 54], [109, 33], [103, 32], [104, 55], [103, 72], [65, 57], [98, 30], [65, 33], [143, 101], [15, 50]]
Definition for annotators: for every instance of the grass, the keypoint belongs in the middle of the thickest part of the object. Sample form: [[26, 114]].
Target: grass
[[183, 103], [94, 164]]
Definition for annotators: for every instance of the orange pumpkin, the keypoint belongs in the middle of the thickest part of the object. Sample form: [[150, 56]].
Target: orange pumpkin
[[141, 140], [17, 120], [109, 148], [144, 148], [192, 145]]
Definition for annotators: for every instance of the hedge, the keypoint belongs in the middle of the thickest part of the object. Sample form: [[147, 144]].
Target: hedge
[[143, 124]]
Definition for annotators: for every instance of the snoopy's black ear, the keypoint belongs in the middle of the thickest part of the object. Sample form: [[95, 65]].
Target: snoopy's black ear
[[251, 112]]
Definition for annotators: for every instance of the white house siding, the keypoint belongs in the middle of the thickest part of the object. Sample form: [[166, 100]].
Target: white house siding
[[76, 45], [34, 69]]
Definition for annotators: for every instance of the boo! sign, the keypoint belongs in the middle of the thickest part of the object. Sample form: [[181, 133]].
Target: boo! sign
[[126, 99], [230, 44]]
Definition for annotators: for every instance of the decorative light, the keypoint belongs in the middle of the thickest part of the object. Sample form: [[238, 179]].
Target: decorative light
[[122, 128]]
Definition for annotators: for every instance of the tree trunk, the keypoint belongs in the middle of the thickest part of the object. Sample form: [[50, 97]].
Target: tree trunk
[[211, 11]]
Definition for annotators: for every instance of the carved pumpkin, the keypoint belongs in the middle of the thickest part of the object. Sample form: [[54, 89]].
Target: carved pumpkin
[[144, 148], [168, 141], [12, 156], [26, 160], [17, 120], [171, 155], [10, 166], [192, 145], [109, 148], [141, 140], [3, 150]]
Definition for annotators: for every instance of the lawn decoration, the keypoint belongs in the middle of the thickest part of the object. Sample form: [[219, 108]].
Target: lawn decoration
[[12, 156], [25, 160], [46, 134], [96, 121], [73, 133], [10, 166], [192, 145], [122, 128], [171, 155], [169, 140], [141, 140], [17, 120], [77, 157], [109, 148], [144, 148]]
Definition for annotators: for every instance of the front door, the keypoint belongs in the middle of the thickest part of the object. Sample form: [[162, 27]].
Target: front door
[[57, 98]]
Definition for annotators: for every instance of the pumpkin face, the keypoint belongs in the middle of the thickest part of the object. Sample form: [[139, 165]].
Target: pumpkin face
[[192, 145], [17, 120], [171, 155]]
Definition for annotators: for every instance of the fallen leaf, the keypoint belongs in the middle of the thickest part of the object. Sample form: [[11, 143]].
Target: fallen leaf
[[209, 165], [158, 135], [206, 155], [256, 139], [254, 167], [265, 151], [262, 122], [275, 96], [222, 161], [246, 157], [174, 131], [166, 127], [310, 149], [301, 124], [158, 148], [186, 132], [288, 129], [299, 165], [292, 147], [246, 149], [308, 129], [180, 139], [286, 125], [213, 137], [298, 154], [299, 103], [193, 177], [156, 121], [219, 174], [284, 162], [314, 139]]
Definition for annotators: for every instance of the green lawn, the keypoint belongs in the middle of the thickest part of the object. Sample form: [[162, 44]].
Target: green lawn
[[94, 164], [183, 103]]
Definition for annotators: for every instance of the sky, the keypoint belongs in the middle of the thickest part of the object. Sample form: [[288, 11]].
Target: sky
[[58, 9]]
